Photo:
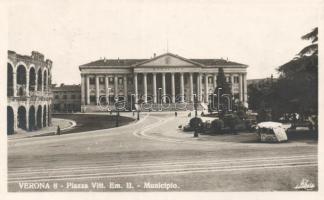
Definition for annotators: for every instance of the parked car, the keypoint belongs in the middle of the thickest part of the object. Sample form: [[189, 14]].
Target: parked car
[[272, 132]]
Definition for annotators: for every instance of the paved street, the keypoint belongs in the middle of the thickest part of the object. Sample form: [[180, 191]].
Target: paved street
[[153, 155]]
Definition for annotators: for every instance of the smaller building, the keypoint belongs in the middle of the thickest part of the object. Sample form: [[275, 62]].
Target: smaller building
[[67, 98]]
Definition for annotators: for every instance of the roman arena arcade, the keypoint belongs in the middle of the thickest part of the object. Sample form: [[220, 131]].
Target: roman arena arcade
[[29, 96]]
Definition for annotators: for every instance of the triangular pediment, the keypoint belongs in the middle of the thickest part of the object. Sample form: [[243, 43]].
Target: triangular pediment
[[168, 60]]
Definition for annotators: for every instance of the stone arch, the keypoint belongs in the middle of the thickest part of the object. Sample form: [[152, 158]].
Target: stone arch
[[31, 117], [21, 79], [39, 117], [10, 83], [39, 79], [32, 79], [10, 120], [22, 117], [44, 116]]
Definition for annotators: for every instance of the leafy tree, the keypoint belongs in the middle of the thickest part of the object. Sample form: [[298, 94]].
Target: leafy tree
[[224, 88], [295, 91], [298, 81]]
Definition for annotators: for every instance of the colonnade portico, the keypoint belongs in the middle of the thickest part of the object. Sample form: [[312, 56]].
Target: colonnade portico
[[167, 78], [203, 89]]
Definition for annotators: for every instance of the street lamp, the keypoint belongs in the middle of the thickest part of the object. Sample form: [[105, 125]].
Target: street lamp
[[160, 94], [117, 112], [218, 98], [108, 98], [196, 119]]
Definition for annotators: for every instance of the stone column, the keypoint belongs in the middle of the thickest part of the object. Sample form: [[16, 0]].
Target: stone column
[[206, 88], [200, 87], [82, 89], [97, 90], [241, 87], [232, 83], [191, 88], [27, 117], [181, 87], [107, 88], [27, 83], [14, 76], [116, 86], [136, 88], [42, 84], [46, 117], [145, 87], [198, 77], [125, 87], [215, 81], [88, 89], [173, 87], [163, 87], [154, 88], [244, 89]]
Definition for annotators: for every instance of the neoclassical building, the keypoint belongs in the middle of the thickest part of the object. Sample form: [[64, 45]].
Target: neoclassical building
[[168, 78], [29, 97]]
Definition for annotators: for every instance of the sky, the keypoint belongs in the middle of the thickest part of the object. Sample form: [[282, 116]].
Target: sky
[[261, 34]]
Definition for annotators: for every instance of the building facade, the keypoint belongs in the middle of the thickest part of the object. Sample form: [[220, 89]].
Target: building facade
[[66, 98], [168, 78], [29, 97]]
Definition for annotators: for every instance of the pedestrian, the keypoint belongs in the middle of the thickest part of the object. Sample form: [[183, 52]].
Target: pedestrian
[[189, 115], [58, 131], [175, 114]]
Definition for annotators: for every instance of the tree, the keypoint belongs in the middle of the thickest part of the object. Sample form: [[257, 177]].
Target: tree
[[222, 83], [223, 87], [295, 91], [298, 81]]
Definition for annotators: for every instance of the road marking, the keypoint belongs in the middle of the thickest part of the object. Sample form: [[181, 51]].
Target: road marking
[[164, 172], [140, 165]]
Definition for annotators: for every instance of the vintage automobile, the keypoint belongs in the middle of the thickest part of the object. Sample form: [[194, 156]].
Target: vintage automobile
[[272, 132]]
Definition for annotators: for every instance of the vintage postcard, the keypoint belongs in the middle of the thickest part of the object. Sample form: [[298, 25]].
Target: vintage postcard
[[160, 98]]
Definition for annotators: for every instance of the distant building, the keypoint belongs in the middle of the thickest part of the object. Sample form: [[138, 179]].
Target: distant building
[[261, 81], [67, 98], [29, 96], [167, 78]]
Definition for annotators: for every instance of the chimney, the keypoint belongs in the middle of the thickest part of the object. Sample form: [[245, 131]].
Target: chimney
[[154, 55]]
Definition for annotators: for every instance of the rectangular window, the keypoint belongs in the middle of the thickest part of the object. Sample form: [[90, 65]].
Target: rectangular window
[[210, 80], [73, 96], [130, 80], [111, 80], [92, 80], [120, 80], [101, 80], [64, 96], [236, 79]]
